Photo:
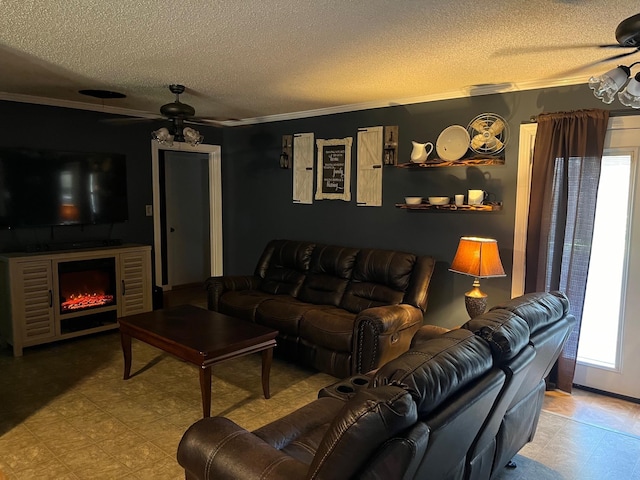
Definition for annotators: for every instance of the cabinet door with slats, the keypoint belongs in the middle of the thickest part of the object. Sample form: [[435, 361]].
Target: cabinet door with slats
[[34, 305], [135, 283]]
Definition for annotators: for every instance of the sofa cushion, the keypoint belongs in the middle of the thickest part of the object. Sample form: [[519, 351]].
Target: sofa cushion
[[364, 423], [505, 331], [438, 368], [283, 266], [538, 309], [329, 273], [242, 303], [284, 313], [380, 277], [331, 328]]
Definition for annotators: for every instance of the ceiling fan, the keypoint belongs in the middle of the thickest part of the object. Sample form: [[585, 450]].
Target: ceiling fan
[[627, 37], [619, 80], [178, 113], [173, 110]]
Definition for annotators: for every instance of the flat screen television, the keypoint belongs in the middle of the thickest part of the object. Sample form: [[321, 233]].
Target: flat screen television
[[47, 188]]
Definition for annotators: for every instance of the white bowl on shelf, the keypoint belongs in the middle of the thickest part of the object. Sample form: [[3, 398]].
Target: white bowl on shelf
[[438, 200], [413, 200]]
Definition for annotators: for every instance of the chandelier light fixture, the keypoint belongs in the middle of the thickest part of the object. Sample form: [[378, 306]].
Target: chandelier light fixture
[[162, 136], [186, 134], [607, 85]]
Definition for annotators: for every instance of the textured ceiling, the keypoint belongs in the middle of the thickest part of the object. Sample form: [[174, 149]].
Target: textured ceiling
[[272, 59]]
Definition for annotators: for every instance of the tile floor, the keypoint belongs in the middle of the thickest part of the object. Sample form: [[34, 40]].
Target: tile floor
[[583, 436], [66, 413]]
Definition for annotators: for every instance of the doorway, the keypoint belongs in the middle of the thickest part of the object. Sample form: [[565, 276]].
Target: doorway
[[618, 372], [175, 208], [186, 217], [608, 354]]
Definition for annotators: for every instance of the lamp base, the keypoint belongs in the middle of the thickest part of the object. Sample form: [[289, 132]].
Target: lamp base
[[475, 300]]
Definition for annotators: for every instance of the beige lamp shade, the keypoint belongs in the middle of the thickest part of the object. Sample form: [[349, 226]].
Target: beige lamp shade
[[478, 257]]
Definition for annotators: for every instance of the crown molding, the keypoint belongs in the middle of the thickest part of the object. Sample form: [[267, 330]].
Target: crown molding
[[56, 102], [471, 91]]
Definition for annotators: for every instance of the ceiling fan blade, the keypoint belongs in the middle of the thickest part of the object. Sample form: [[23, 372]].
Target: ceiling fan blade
[[621, 55], [586, 66], [507, 51], [128, 120], [197, 121], [497, 127]]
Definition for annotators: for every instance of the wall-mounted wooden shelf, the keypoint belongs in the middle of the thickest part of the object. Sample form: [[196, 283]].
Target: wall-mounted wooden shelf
[[463, 162], [491, 207]]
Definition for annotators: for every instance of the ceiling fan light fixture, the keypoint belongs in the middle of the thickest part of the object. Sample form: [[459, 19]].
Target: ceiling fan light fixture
[[607, 85], [192, 136], [630, 96], [162, 135]]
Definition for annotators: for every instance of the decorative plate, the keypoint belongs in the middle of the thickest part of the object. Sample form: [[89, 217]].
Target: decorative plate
[[453, 143]]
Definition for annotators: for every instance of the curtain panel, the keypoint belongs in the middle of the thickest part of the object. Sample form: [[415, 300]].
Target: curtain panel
[[567, 158]]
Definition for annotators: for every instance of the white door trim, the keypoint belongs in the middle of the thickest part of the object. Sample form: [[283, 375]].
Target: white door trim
[[523, 191], [215, 203]]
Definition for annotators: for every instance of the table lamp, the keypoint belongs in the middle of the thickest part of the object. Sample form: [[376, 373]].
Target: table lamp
[[479, 258]]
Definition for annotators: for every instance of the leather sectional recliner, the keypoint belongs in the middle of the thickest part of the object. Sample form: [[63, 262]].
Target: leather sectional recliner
[[340, 310], [457, 405]]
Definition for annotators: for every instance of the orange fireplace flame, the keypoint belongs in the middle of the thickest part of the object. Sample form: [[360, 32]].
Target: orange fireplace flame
[[79, 301]]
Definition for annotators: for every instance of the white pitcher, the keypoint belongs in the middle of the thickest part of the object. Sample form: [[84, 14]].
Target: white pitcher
[[421, 151]]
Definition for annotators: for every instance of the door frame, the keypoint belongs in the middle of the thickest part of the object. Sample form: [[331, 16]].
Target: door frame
[[214, 153], [523, 189], [585, 375]]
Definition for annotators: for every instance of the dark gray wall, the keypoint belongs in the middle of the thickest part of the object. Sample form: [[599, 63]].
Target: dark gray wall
[[257, 194], [56, 128]]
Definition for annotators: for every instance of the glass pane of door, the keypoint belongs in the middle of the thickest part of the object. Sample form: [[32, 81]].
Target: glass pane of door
[[602, 309]]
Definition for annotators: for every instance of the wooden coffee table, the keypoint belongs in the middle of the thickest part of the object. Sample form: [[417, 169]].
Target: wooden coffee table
[[201, 337]]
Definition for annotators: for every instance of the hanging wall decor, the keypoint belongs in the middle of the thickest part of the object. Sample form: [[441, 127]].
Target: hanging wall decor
[[334, 169], [303, 168], [369, 160]]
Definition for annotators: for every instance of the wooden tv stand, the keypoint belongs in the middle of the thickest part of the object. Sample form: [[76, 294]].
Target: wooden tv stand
[[30, 312]]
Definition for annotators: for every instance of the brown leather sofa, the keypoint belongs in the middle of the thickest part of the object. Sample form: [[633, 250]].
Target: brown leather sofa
[[339, 310], [454, 406]]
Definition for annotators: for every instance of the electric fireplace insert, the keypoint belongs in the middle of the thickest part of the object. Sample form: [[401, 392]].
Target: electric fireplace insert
[[87, 293]]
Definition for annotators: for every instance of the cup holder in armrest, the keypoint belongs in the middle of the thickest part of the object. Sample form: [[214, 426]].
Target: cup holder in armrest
[[345, 389], [360, 381]]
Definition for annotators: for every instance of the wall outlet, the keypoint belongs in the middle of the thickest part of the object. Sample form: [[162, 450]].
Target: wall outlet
[[148, 210]]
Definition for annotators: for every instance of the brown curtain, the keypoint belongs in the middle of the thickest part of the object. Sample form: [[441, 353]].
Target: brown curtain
[[567, 158]]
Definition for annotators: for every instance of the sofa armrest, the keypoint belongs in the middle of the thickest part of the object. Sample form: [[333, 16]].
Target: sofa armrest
[[346, 388], [383, 333], [217, 448], [216, 286]]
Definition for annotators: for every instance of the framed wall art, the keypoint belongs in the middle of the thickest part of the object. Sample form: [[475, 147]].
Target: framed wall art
[[334, 169]]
